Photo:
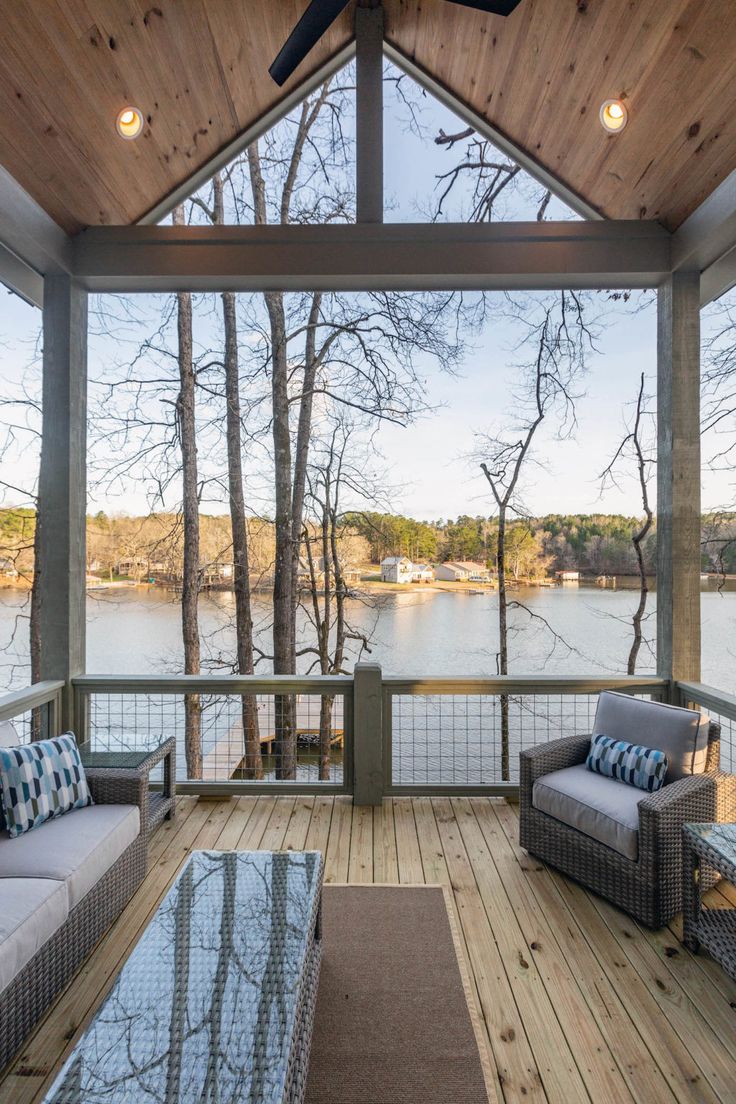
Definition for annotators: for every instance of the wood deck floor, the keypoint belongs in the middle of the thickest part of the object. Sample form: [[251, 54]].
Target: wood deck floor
[[578, 1002]]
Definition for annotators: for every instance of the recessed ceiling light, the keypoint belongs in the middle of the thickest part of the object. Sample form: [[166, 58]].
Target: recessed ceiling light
[[129, 122], [613, 115]]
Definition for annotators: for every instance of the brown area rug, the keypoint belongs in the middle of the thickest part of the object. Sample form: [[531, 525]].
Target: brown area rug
[[393, 1025]]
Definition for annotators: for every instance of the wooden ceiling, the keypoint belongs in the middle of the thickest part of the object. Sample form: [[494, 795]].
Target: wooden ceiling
[[198, 70]]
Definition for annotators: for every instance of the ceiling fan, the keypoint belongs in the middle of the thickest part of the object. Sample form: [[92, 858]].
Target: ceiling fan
[[321, 13]]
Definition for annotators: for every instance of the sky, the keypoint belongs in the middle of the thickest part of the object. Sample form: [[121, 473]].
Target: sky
[[427, 461]]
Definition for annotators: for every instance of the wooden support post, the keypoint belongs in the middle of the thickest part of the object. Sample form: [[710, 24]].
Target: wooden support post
[[678, 477], [367, 735], [369, 113], [63, 486]]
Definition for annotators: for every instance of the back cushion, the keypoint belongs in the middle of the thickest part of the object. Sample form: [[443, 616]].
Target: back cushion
[[682, 734]]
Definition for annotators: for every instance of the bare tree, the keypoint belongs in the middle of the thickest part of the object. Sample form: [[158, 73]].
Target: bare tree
[[560, 338], [187, 432], [636, 446], [339, 466]]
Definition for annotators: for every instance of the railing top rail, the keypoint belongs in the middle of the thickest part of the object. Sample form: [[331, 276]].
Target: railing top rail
[[717, 700], [217, 684], [512, 684], [28, 697]]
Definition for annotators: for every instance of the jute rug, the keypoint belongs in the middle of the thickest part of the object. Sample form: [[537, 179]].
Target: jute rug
[[393, 1022]]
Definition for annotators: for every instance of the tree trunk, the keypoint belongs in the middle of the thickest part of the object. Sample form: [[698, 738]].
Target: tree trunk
[[190, 511], [303, 434], [37, 732], [503, 646], [325, 736], [284, 597], [253, 760]]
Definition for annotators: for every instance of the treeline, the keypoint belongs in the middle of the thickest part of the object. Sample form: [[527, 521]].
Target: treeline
[[152, 544], [590, 543]]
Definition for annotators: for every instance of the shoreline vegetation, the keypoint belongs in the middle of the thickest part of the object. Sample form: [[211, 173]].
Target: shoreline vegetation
[[125, 550]]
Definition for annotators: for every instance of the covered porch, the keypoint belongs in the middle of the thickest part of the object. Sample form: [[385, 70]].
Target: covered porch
[[577, 1001]]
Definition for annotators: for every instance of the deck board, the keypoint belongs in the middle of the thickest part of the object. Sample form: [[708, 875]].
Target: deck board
[[578, 1002]]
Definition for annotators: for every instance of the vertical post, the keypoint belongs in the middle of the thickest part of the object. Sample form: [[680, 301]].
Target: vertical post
[[678, 477], [63, 486], [367, 734], [369, 113]]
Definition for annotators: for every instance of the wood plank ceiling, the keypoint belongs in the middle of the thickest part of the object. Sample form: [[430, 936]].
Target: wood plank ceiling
[[198, 70]]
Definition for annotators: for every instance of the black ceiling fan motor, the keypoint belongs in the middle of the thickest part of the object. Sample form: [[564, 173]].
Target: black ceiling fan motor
[[321, 14]]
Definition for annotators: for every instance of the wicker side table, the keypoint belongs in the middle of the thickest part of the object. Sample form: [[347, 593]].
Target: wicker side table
[[160, 804], [712, 846]]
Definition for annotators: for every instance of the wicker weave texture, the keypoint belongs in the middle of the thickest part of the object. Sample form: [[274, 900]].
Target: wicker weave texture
[[714, 929], [30, 994]]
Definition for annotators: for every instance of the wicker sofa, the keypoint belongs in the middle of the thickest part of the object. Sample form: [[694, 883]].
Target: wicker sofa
[[638, 867], [61, 887]]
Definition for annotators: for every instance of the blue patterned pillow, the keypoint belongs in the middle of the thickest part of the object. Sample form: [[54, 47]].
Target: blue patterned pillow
[[40, 781], [638, 766]]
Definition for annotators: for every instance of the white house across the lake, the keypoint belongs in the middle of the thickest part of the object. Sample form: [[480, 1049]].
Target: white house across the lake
[[462, 571], [396, 569]]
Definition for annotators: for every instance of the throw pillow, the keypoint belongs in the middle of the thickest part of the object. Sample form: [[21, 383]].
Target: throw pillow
[[638, 766], [40, 781]]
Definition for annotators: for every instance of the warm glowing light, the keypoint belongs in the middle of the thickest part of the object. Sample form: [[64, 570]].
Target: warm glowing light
[[129, 122], [613, 115]]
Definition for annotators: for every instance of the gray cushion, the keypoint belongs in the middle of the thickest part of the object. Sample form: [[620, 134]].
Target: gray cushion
[[77, 848], [31, 911], [682, 734], [603, 808]]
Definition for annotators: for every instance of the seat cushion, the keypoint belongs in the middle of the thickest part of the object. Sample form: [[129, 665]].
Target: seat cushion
[[682, 734], [602, 808], [32, 910], [77, 848]]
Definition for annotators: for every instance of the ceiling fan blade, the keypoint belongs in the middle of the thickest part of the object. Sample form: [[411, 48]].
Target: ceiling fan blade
[[308, 31], [493, 7]]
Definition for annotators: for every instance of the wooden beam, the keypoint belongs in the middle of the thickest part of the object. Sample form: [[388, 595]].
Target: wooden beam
[[718, 278], [367, 735], [28, 232], [485, 129], [20, 278], [706, 241], [63, 486], [678, 477], [369, 114], [392, 257]]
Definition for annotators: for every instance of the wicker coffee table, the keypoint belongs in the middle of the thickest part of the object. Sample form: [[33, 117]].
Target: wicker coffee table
[[712, 846], [217, 1000]]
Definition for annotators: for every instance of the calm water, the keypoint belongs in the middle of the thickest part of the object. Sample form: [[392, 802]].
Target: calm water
[[137, 631]]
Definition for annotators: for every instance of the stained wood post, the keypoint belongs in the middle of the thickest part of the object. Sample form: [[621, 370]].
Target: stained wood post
[[367, 734], [678, 477], [62, 488], [369, 113]]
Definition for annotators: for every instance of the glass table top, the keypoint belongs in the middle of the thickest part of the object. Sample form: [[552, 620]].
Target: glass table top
[[205, 1008], [721, 837]]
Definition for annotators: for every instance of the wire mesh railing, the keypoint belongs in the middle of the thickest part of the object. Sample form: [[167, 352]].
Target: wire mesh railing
[[318, 734], [721, 707], [228, 731], [455, 734]]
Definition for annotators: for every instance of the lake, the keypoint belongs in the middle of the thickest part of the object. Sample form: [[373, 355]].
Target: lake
[[137, 630], [568, 630]]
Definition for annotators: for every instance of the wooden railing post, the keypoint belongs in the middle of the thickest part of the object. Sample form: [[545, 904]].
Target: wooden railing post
[[368, 735]]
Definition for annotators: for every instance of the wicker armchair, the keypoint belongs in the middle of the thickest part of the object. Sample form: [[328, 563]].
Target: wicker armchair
[[650, 887]]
